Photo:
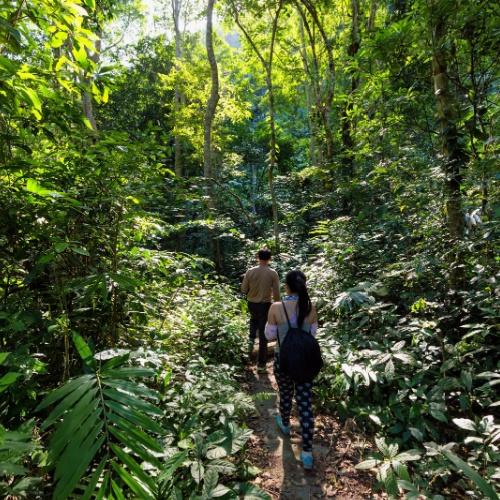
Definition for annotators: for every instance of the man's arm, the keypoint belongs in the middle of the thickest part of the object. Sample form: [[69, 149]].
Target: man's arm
[[276, 288], [245, 285]]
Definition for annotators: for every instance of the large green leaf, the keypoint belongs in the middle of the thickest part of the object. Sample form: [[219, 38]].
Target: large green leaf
[[130, 434], [128, 372], [408, 455], [93, 413], [33, 186], [70, 400], [236, 438], [465, 423], [134, 467], [62, 391], [131, 388], [8, 379], [222, 466], [485, 487], [368, 464], [72, 472], [10, 67], [94, 479], [172, 464], [31, 98], [83, 350], [133, 401], [197, 471], [135, 417], [10, 469], [136, 486], [75, 427], [210, 482], [117, 491], [249, 491]]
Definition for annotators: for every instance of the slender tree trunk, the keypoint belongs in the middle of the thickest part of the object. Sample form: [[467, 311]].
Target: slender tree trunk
[[208, 169], [273, 159], [347, 122], [324, 103], [313, 144], [214, 95], [325, 118], [178, 97], [267, 64], [309, 91], [478, 102], [254, 188], [87, 104], [454, 157], [373, 14]]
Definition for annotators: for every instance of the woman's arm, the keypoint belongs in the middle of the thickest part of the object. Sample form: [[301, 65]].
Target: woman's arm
[[313, 321], [271, 329]]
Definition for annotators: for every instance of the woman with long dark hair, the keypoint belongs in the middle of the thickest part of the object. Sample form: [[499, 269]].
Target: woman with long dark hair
[[301, 314]]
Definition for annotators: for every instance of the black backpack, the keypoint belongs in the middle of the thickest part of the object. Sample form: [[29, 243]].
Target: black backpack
[[300, 355]]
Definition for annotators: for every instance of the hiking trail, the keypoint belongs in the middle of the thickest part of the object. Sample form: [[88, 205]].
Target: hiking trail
[[337, 449]]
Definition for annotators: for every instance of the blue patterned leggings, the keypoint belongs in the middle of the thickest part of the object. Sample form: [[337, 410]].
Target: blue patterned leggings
[[303, 398]]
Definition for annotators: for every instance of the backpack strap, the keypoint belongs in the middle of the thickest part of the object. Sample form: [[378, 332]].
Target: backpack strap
[[286, 314], [287, 320]]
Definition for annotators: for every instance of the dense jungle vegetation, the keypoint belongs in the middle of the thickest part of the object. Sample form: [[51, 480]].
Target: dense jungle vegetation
[[148, 150]]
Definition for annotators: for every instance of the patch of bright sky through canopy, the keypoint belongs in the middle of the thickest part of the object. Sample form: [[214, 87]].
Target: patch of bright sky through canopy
[[157, 20]]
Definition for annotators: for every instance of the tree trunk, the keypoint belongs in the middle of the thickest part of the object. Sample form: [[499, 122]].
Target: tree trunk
[[87, 104], [214, 95], [324, 103], [267, 64], [208, 170], [273, 160], [310, 94], [454, 157], [373, 14], [178, 97], [347, 122], [313, 144], [254, 188], [272, 124]]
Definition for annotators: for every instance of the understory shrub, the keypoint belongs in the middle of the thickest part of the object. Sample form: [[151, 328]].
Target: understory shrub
[[400, 362]]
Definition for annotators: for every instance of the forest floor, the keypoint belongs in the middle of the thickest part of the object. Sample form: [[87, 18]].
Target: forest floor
[[337, 449]]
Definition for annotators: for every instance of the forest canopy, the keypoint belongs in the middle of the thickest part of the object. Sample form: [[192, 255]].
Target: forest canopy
[[149, 149]]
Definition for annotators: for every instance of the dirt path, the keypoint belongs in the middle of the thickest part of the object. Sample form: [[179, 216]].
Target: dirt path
[[336, 451]]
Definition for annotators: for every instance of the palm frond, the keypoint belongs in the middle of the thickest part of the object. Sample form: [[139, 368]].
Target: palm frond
[[105, 429]]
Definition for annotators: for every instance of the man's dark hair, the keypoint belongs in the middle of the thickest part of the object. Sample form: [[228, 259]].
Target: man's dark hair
[[264, 254]]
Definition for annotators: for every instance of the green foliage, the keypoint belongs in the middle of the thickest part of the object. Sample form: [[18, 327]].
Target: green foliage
[[96, 418], [113, 434], [103, 249], [390, 465], [15, 448], [205, 321], [396, 360]]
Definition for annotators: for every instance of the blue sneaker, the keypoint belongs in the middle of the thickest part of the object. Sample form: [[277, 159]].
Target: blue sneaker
[[307, 459], [285, 429]]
